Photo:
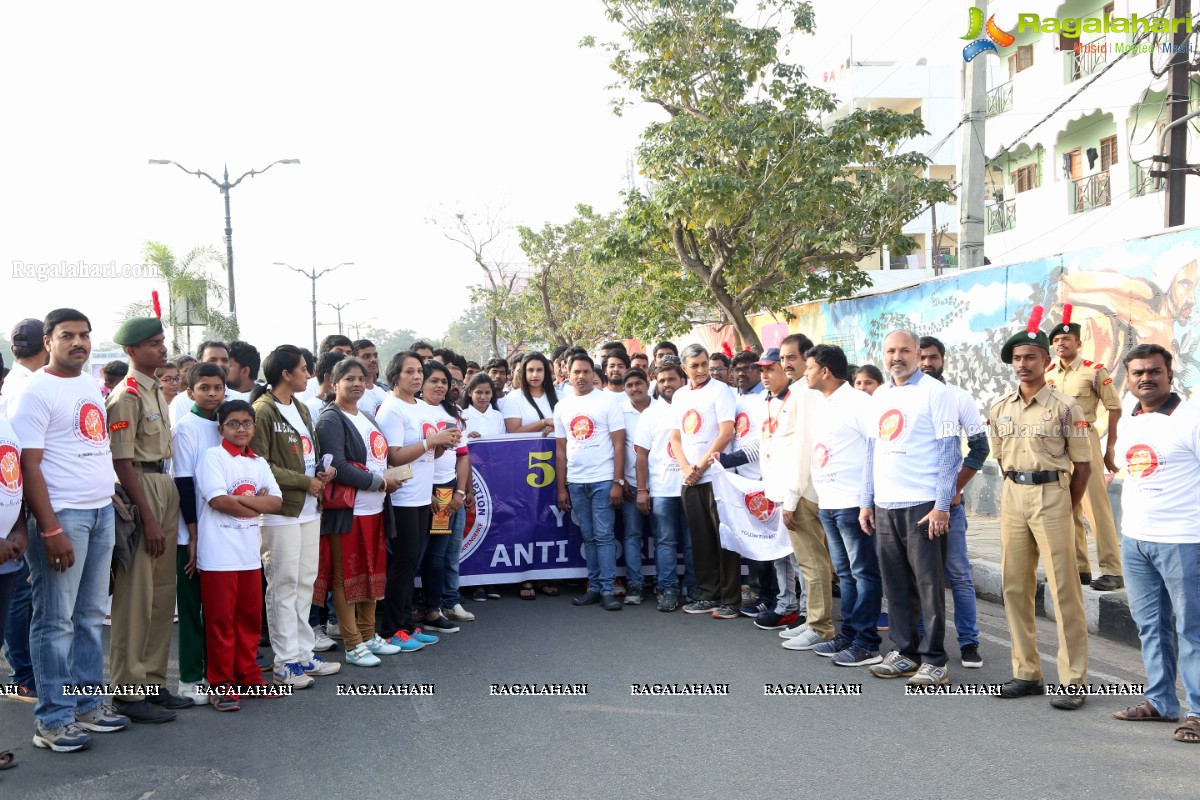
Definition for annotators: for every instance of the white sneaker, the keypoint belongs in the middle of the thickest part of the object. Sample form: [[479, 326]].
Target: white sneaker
[[458, 613], [805, 639], [319, 666], [321, 640], [379, 647], [362, 657], [292, 674], [194, 692], [333, 630]]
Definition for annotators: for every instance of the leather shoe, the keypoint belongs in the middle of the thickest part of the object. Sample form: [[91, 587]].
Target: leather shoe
[[1108, 583], [164, 699], [610, 602], [1020, 688], [1067, 702], [142, 712], [588, 599], [1085, 578]]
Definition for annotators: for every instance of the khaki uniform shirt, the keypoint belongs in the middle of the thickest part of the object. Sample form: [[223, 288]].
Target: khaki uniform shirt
[[1047, 433], [138, 425], [1088, 382]]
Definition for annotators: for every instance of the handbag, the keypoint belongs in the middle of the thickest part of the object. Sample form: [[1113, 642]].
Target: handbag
[[340, 495]]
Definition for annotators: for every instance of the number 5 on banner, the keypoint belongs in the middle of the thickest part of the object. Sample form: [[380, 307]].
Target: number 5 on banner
[[541, 474]]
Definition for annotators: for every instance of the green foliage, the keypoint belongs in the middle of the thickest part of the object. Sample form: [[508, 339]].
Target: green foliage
[[753, 203], [470, 334]]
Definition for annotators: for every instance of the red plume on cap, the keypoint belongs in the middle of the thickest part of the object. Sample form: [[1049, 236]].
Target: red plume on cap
[[1035, 320], [1067, 309], [727, 349]]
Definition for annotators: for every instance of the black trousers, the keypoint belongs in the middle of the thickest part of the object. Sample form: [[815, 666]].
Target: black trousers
[[913, 569], [404, 555], [718, 571]]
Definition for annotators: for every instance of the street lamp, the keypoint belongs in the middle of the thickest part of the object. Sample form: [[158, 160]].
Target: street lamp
[[225, 186], [312, 275], [338, 308]]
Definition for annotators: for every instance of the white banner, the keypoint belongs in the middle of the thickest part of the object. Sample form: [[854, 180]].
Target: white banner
[[750, 523]]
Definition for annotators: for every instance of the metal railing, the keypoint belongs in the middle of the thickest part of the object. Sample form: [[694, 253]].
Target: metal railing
[[1087, 62], [1143, 184], [1094, 191], [1001, 216], [1000, 99]]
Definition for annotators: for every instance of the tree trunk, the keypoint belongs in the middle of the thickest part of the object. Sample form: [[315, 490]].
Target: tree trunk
[[733, 311]]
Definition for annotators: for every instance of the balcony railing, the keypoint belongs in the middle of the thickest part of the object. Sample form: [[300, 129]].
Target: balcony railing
[[1089, 58], [1000, 99], [1091, 192], [1143, 184], [1001, 216]]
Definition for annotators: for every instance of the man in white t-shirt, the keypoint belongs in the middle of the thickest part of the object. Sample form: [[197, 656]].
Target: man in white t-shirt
[[591, 475], [703, 427], [1159, 445], [373, 395], [908, 483], [67, 466], [244, 361], [633, 519], [29, 355]]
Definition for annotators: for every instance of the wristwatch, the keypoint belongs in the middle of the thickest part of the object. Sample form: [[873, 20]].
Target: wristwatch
[[619, 482]]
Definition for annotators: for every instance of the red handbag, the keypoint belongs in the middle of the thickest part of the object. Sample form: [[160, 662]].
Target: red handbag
[[340, 495]]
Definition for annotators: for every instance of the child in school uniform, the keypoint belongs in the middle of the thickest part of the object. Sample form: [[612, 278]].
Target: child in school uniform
[[235, 487]]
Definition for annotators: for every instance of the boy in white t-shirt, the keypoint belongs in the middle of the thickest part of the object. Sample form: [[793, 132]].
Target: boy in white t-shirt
[[235, 487]]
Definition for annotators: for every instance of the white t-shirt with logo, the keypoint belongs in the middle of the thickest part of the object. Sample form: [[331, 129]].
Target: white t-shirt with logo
[[1161, 456], [747, 429], [65, 418], [180, 406], [587, 421], [366, 502], [14, 384], [516, 406], [12, 486], [632, 419], [191, 438], [404, 424], [225, 543], [445, 465], [308, 511], [908, 421], [232, 394], [488, 424], [698, 416], [654, 436], [841, 427], [371, 400]]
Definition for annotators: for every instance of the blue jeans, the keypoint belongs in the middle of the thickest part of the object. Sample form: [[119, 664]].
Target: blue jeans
[[16, 629], [633, 530], [433, 570], [1161, 578], [450, 595], [672, 535], [958, 575], [68, 613], [596, 518], [856, 563]]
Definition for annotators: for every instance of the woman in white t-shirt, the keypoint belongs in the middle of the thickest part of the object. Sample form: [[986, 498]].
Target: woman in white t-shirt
[[481, 412], [13, 537], [285, 436], [355, 536], [530, 408]]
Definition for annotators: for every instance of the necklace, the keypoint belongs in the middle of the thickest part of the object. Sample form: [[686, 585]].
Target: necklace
[[772, 422]]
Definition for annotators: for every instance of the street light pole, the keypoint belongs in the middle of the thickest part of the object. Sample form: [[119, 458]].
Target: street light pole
[[338, 308], [312, 275], [224, 186]]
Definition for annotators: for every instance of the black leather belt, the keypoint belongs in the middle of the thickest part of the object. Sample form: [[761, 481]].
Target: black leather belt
[[1032, 478], [149, 466]]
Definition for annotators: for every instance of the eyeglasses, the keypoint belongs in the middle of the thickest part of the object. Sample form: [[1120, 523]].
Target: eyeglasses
[[176, 379], [234, 425], [718, 370]]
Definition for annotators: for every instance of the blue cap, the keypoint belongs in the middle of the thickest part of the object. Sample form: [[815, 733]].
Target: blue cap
[[769, 357]]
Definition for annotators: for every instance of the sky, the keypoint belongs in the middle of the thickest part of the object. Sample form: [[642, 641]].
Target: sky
[[399, 113]]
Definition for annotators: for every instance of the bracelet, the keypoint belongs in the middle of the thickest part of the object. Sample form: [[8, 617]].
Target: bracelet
[[460, 491], [647, 491], [48, 534], [425, 445]]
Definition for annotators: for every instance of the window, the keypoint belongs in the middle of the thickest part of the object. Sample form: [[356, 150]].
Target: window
[[1022, 61], [1073, 164], [1109, 9], [1024, 178], [1108, 152], [916, 112]]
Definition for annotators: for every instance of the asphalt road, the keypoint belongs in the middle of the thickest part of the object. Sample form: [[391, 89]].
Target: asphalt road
[[461, 742]]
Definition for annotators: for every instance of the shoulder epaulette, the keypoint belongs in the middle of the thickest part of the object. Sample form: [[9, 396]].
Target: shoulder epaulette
[[1098, 365], [1052, 367], [1087, 363], [131, 386]]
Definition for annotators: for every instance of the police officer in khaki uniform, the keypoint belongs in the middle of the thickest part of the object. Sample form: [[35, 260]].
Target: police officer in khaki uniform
[[1039, 437], [1090, 384], [144, 594]]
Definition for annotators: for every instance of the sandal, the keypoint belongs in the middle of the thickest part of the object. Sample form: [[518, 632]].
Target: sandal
[[1143, 712], [527, 592], [7, 760], [1188, 732], [550, 590]]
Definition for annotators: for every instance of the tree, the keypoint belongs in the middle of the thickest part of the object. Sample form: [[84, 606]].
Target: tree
[[753, 203], [470, 334], [388, 342], [189, 289]]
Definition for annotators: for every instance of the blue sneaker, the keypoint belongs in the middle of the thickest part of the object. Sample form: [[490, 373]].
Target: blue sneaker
[[405, 642], [831, 648], [752, 610], [423, 637], [882, 624], [66, 739]]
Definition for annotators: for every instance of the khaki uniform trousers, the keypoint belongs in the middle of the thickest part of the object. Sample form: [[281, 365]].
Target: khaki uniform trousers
[[1036, 520], [143, 606], [816, 568], [1099, 513]]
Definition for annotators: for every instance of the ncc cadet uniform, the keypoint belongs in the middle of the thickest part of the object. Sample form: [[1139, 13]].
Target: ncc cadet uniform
[[144, 594], [1036, 443], [1090, 385]]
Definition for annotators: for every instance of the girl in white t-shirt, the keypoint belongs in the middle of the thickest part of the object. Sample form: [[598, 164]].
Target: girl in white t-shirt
[[481, 412], [530, 408]]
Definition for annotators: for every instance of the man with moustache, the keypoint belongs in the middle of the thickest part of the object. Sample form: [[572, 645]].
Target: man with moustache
[[1040, 440]]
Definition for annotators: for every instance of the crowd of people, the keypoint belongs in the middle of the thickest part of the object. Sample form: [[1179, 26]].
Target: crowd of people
[[305, 493]]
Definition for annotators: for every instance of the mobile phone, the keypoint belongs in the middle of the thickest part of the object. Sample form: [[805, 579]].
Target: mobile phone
[[451, 426], [923, 529]]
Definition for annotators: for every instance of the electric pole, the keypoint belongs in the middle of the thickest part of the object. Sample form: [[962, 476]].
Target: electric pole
[[1178, 96], [970, 202]]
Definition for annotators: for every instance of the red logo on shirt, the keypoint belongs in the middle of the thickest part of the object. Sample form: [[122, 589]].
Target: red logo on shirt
[[1141, 461], [429, 429], [820, 456], [769, 427], [741, 425], [758, 505], [245, 489], [582, 428], [378, 446], [670, 451], [306, 445], [891, 425], [89, 423], [10, 469], [692, 422]]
